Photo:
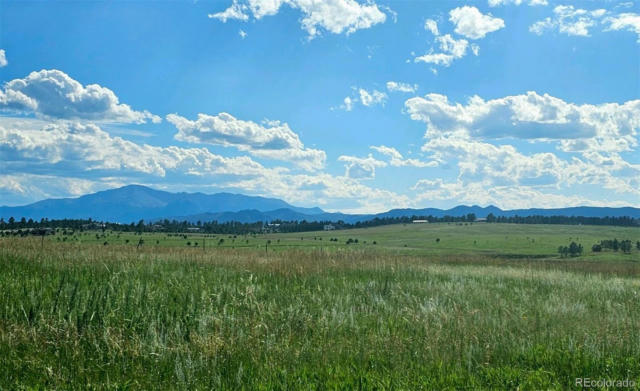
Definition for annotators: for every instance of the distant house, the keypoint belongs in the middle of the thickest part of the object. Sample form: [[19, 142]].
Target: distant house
[[329, 227], [193, 229], [481, 220], [420, 221]]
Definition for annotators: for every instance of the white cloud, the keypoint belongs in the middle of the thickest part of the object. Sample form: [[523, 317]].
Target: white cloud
[[235, 11], [361, 168], [348, 104], [579, 22], [397, 160], [274, 141], [242, 34], [452, 49], [85, 150], [3, 59], [625, 21], [569, 20], [456, 136], [334, 16], [469, 22], [483, 168], [432, 26], [365, 97], [626, 4], [401, 87], [371, 98], [472, 23], [494, 3], [612, 127], [53, 94]]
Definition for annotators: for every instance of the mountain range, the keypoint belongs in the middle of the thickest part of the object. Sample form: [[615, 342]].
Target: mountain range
[[134, 202]]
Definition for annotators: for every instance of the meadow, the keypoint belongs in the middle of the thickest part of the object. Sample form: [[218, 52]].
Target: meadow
[[487, 306]]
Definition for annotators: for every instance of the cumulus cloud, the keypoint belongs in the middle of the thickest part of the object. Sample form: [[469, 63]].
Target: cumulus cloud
[[610, 126], [499, 164], [334, 16], [275, 140], [473, 24], [569, 20], [457, 135], [495, 3], [452, 49], [371, 98], [483, 168], [579, 22], [235, 11], [3, 59], [394, 86], [361, 168], [84, 150], [625, 21], [53, 94], [432, 26], [468, 22], [397, 160], [364, 97], [347, 104]]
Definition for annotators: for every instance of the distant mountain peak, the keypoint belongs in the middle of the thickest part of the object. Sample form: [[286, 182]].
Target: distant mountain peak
[[134, 202]]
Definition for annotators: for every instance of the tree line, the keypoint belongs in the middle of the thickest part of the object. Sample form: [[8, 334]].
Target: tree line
[[623, 221], [215, 227], [623, 245]]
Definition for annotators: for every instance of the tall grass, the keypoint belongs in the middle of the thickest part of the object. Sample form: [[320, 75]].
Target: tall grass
[[83, 317]]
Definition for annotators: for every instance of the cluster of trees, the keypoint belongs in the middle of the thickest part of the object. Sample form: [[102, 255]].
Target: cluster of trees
[[566, 220], [572, 250], [615, 245]]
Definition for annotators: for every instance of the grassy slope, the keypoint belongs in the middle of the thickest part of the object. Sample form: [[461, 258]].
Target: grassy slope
[[357, 316]]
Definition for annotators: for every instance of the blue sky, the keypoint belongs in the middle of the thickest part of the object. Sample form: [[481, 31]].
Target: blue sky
[[346, 105]]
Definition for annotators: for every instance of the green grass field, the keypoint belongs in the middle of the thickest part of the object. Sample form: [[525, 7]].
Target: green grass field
[[489, 306], [478, 239]]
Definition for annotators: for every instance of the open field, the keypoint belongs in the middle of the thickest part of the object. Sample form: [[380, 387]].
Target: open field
[[488, 306], [478, 239]]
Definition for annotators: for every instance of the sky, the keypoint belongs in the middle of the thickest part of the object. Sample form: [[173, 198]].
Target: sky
[[347, 105]]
